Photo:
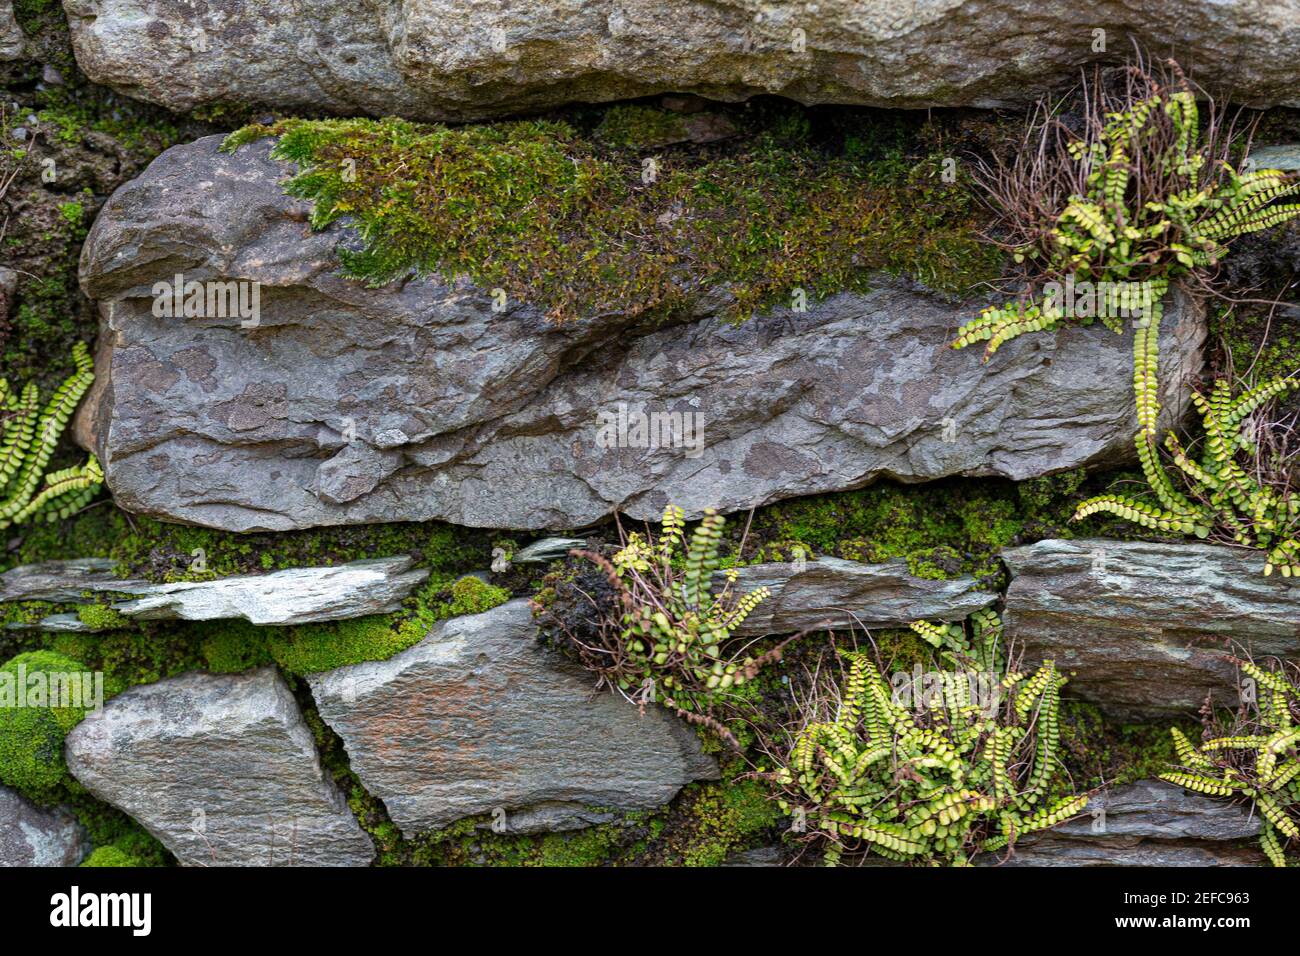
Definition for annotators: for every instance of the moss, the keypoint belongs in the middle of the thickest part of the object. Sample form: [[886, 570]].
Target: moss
[[471, 595], [110, 856], [101, 617], [539, 210], [589, 847], [935, 564], [310, 648], [1257, 346], [23, 613], [31, 730], [638, 127], [720, 819], [163, 552], [1097, 752], [941, 529], [235, 648]]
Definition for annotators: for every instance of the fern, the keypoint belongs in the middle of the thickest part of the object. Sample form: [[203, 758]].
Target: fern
[[1258, 760], [1148, 214], [1225, 495], [940, 784], [665, 634], [29, 438]]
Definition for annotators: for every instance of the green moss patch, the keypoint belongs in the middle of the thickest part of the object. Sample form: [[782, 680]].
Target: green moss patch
[[32, 728], [110, 856], [309, 648], [556, 218]]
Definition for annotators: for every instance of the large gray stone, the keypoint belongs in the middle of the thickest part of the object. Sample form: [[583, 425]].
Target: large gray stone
[[832, 593], [458, 59], [416, 401], [1144, 629], [222, 769], [292, 596], [478, 718], [34, 836], [1150, 823]]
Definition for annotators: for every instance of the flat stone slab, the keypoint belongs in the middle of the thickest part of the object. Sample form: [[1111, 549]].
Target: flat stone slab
[[38, 836], [293, 596], [416, 401], [1143, 628], [1150, 823], [479, 719], [222, 769], [65, 581], [452, 59], [849, 594], [1284, 157]]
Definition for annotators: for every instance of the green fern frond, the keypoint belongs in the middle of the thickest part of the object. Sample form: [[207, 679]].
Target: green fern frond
[[929, 781], [28, 443], [1256, 760]]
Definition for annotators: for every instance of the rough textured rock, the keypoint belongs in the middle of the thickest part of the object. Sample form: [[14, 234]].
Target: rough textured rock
[[34, 836], [835, 593], [548, 818], [293, 596], [1144, 628], [458, 59], [222, 769], [1150, 823], [478, 718], [59, 581], [12, 40], [416, 401]]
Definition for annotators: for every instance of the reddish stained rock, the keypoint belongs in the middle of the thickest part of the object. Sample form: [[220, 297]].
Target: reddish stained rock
[[478, 717]]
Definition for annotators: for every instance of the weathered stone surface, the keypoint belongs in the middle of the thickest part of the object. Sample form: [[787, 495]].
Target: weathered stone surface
[[1150, 823], [455, 59], [1285, 158], [12, 40], [60, 581], [829, 592], [493, 420], [548, 818], [293, 596], [222, 769], [477, 717], [34, 836], [1143, 628]]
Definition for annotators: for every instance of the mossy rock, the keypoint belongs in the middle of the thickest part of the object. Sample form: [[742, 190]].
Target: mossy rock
[[31, 736], [579, 225]]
